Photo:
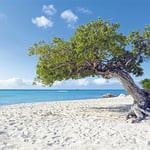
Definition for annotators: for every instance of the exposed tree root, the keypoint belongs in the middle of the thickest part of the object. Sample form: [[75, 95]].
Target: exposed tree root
[[137, 114]]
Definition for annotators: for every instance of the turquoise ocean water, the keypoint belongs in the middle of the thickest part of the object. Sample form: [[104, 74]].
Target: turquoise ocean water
[[8, 97]]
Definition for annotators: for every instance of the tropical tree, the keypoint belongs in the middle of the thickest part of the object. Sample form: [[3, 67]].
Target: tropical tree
[[146, 84], [97, 49]]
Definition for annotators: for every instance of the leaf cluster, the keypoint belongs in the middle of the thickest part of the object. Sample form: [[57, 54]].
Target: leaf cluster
[[145, 84]]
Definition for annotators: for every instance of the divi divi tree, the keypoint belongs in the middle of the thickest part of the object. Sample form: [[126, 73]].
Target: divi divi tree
[[98, 49]]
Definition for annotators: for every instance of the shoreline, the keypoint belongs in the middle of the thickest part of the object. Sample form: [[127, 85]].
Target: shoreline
[[10, 97], [72, 125]]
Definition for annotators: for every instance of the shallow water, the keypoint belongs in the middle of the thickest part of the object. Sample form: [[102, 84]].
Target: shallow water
[[8, 97]]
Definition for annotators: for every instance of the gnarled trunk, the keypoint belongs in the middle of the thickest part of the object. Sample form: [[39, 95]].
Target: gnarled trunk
[[141, 104]]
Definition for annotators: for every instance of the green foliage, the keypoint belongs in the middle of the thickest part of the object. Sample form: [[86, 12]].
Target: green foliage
[[96, 48], [145, 84], [98, 40], [140, 42]]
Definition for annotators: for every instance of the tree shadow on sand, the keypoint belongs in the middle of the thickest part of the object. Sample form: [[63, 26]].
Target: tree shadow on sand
[[119, 109]]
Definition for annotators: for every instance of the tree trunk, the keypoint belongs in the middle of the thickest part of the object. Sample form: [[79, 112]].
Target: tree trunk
[[141, 103]]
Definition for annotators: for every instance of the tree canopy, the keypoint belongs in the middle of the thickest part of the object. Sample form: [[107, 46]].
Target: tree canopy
[[96, 48], [146, 84]]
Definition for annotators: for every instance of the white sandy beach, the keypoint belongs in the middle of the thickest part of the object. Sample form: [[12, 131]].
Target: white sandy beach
[[75, 125]]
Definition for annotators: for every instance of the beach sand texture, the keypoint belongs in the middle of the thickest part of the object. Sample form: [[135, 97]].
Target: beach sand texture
[[74, 125]]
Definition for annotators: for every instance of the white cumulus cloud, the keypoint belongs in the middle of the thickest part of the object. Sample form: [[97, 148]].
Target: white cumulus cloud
[[19, 83], [58, 83], [42, 22], [81, 82], [15, 83], [100, 81], [84, 10], [49, 9], [69, 16]]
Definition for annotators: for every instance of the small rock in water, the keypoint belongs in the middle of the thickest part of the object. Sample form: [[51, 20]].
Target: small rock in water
[[108, 95]]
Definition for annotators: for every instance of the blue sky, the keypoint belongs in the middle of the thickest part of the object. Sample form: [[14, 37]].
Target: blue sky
[[24, 22]]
